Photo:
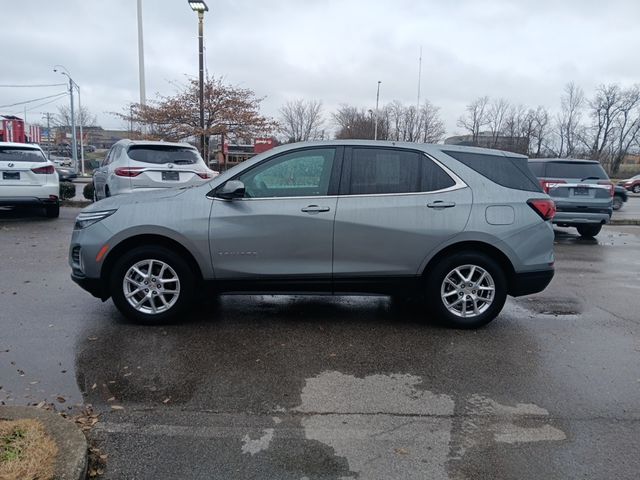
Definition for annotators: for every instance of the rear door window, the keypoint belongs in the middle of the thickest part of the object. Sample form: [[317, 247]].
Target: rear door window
[[160, 154], [386, 170], [21, 154]]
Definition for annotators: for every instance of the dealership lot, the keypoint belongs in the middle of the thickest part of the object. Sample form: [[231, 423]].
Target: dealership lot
[[349, 387]]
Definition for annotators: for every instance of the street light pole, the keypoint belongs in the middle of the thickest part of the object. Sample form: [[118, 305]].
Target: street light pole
[[143, 95], [375, 128], [74, 145], [81, 137], [200, 7]]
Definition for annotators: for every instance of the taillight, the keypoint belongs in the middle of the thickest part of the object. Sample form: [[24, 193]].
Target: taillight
[[44, 170], [548, 184], [128, 171], [204, 175], [545, 207], [610, 185]]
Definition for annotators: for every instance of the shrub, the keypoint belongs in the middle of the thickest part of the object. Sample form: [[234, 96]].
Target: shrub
[[88, 191], [67, 190]]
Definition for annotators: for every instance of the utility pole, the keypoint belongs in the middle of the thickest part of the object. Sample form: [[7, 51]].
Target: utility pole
[[205, 154], [419, 79], [47, 115], [74, 146], [375, 128], [143, 94]]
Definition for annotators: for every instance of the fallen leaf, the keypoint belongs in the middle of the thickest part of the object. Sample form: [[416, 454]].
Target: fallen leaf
[[111, 399], [94, 386], [401, 451], [61, 399], [92, 338], [166, 400], [117, 407]]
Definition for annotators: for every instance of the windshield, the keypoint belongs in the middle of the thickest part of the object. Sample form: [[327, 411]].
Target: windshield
[[575, 170], [21, 154], [158, 154]]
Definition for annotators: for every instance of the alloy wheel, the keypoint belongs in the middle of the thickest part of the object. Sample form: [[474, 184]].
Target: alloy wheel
[[151, 286], [467, 291]]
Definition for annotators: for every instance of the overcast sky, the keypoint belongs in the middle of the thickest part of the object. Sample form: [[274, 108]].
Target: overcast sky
[[334, 51]]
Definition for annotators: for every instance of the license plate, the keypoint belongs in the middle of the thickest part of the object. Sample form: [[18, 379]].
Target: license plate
[[581, 191], [173, 176], [11, 175]]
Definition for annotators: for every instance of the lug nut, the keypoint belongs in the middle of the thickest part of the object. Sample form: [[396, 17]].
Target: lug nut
[[146, 290]]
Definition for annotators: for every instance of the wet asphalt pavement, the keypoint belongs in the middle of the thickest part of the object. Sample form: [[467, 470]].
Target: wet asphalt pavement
[[327, 388]]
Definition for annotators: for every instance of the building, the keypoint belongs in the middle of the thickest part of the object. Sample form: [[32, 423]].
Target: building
[[229, 152]]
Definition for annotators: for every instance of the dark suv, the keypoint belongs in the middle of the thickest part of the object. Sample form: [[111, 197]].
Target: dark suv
[[581, 189]]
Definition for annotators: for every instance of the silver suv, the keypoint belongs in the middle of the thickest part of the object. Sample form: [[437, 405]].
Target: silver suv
[[463, 227], [144, 165], [581, 190]]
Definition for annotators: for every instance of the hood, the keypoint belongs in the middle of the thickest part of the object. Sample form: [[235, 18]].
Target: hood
[[134, 198]]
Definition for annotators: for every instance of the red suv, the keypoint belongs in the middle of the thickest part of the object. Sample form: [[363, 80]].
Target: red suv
[[632, 184]]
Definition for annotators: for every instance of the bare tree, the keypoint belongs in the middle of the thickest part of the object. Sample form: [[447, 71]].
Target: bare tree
[[569, 121], [301, 120], [353, 122], [431, 127], [605, 108], [475, 117], [540, 132], [83, 116], [496, 113], [627, 127]]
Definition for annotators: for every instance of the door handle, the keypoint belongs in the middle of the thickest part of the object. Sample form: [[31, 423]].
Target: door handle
[[438, 204], [315, 209]]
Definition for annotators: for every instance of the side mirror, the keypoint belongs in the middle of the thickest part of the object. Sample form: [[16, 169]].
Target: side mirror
[[230, 190]]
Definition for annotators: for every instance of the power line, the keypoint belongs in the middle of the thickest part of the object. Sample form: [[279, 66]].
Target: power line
[[34, 86], [41, 104], [31, 101]]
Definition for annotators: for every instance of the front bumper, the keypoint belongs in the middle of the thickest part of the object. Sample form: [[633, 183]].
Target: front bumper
[[526, 283], [92, 285]]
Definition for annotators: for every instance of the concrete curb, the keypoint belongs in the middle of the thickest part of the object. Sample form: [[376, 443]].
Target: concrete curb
[[621, 221], [71, 463], [75, 203]]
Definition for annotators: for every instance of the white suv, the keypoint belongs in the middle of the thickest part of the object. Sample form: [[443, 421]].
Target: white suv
[[27, 178]]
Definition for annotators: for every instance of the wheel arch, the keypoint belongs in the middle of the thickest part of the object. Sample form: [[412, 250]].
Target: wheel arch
[[147, 239], [475, 246]]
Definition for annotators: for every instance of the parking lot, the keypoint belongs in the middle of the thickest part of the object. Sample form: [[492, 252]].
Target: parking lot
[[348, 387]]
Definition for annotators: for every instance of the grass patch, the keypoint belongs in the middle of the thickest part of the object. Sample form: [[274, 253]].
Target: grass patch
[[26, 451]]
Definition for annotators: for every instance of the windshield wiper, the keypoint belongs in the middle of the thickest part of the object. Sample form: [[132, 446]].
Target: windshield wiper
[[589, 178]]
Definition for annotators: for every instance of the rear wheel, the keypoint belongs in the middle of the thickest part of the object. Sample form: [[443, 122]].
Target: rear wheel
[[467, 289], [52, 211], [617, 202], [152, 285], [589, 231]]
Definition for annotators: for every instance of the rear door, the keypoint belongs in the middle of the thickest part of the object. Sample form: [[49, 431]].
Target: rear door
[[395, 206], [283, 228]]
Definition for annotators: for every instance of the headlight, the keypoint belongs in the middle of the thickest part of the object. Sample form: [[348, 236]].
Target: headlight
[[89, 218]]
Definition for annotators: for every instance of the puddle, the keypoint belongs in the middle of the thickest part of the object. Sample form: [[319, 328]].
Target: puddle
[[555, 306]]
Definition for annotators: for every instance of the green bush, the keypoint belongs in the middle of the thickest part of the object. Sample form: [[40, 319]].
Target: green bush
[[88, 191], [67, 190]]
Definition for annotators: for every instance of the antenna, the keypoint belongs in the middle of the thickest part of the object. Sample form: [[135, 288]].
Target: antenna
[[419, 78]]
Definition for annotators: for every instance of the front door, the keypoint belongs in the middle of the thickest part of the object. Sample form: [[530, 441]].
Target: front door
[[283, 228]]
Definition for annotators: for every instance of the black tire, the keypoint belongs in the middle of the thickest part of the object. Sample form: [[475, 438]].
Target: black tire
[[95, 194], [107, 194], [181, 269], [436, 279], [636, 188], [617, 202], [52, 211], [589, 231]]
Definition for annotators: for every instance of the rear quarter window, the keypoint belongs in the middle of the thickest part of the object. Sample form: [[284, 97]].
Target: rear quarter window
[[537, 168], [510, 172]]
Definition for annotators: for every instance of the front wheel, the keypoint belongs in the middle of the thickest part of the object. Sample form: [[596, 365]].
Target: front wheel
[[589, 231], [52, 211], [617, 202], [636, 189], [152, 285], [467, 289]]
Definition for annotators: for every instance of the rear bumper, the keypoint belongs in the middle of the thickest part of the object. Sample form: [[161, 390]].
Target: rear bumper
[[564, 218], [27, 201], [527, 283]]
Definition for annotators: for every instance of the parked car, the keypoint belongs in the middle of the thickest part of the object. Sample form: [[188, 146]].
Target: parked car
[[581, 190], [465, 227], [143, 165], [66, 174], [28, 178], [632, 184], [619, 197]]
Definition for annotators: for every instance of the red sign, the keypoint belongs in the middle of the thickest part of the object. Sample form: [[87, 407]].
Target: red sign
[[263, 144], [12, 130]]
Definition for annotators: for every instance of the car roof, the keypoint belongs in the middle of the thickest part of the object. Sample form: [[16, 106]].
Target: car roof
[[563, 160], [32, 146], [127, 141], [426, 147]]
